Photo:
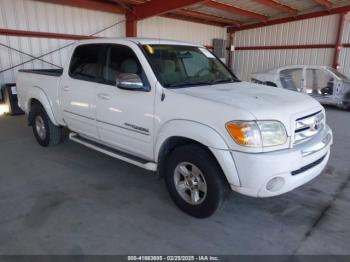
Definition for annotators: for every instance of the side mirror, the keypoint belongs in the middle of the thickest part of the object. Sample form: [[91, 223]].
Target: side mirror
[[129, 82]]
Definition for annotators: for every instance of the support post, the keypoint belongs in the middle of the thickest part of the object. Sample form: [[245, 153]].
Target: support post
[[130, 24], [338, 44], [230, 42]]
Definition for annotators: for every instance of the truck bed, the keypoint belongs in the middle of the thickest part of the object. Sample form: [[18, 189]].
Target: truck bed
[[43, 83], [49, 72]]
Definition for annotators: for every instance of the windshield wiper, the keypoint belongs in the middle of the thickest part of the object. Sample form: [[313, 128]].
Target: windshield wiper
[[219, 81], [188, 83], [198, 83]]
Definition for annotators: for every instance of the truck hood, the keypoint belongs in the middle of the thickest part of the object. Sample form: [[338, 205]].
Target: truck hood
[[263, 102]]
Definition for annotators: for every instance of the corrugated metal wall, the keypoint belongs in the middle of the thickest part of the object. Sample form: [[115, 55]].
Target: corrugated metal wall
[[344, 58], [45, 17], [39, 16], [320, 30], [248, 62], [167, 28]]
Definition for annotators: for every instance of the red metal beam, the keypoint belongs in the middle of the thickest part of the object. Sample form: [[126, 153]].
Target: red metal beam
[[234, 10], [278, 6], [90, 4], [339, 39], [130, 24], [230, 57], [130, 2], [35, 34], [284, 47], [193, 19], [159, 7], [208, 17], [347, 45], [324, 3], [292, 18]]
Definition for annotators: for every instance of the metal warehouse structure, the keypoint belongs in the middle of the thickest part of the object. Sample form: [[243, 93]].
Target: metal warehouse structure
[[265, 33]]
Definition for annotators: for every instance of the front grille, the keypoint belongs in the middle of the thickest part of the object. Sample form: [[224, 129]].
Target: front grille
[[307, 167], [308, 126]]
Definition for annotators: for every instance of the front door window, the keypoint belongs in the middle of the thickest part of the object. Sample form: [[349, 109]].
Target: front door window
[[292, 79]]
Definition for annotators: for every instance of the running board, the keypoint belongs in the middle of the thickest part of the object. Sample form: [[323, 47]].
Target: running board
[[114, 152]]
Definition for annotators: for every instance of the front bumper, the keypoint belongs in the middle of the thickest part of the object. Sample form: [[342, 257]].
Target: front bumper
[[278, 172]]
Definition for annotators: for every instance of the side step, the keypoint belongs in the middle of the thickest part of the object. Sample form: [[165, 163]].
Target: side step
[[114, 152]]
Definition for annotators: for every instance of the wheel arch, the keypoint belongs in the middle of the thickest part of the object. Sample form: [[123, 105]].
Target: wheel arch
[[38, 97], [180, 132]]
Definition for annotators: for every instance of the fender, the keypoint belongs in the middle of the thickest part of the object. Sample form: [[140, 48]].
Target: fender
[[37, 93], [204, 135]]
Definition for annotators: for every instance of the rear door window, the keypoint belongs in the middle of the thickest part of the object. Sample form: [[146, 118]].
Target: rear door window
[[86, 62]]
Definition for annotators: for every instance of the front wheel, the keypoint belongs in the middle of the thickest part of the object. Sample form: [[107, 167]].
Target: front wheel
[[195, 180], [45, 132]]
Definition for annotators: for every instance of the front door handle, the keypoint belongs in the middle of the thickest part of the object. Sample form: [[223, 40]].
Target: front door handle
[[104, 96], [66, 88]]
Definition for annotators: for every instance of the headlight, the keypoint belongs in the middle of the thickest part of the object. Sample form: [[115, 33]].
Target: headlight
[[257, 133], [273, 133]]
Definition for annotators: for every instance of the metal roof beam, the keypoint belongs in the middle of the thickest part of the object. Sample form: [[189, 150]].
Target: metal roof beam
[[36, 34], [281, 7], [325, 3], [331, 11], [208, 17], [159, 7], [234, 10], [192, 19], [90, 4]]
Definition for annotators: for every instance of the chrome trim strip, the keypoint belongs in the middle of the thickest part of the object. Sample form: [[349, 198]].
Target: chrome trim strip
[[122, 127], [129, 129], [313, 114]]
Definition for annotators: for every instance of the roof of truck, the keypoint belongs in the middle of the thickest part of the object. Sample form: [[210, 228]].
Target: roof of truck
[[143, 41]]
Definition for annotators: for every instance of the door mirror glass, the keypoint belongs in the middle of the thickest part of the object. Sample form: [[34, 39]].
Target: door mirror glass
[[129, 81]]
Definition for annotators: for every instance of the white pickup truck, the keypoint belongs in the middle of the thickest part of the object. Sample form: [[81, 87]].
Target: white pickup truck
[[174, 108]]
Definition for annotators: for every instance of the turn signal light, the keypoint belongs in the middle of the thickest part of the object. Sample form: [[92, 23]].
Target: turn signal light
[[245, 133]]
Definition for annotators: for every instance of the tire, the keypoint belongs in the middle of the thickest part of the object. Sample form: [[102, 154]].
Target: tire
[[346, 106], [195, 181], [45, 132]]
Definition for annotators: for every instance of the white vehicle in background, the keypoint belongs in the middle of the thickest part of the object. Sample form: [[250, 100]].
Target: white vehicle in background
[[174, 108], [323, 83]]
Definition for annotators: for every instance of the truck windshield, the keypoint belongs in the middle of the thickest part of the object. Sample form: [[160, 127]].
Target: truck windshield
[[184, 66]]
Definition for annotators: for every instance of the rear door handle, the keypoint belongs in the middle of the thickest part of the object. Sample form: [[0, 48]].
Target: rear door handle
[[104, 96], [66, 88]]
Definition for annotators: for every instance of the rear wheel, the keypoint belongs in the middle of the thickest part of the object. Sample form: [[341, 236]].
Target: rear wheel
[[195, 180], [45, 132]]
